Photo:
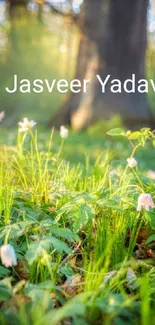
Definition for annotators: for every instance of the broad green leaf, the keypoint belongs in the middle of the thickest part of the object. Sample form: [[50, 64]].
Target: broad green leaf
[[49, 285], [16, 230], [64, 233], [135, 135], [117, 132], [5, 289], [145, 130], [85, 215], [60, 246], [151, 218], [38, 296], [150, 239], [107, 203], [36, 249], [3, 271], [4, 293], [78, 212], [81, 216]]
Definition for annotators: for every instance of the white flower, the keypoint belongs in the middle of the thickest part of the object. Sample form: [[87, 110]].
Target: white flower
[[2, 114], [8, 255], [131, 279], [151, 174], [26, 125], [63, 132], [145, 201], [132, 162], [113, 172]]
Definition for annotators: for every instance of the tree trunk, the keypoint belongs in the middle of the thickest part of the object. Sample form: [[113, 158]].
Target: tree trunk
[[13, 4], [113, 42]]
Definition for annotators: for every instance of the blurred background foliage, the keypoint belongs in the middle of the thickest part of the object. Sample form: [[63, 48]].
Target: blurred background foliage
[[34, 46], [40, 40]]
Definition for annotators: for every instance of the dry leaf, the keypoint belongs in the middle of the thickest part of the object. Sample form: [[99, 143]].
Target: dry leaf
[[72, 286]]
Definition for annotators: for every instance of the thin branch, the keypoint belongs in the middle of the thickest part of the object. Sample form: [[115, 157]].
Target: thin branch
[[59, 12]]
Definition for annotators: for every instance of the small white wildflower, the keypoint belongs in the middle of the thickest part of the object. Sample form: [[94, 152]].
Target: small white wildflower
[[8, 255], [145, 201], [131, 279], [151, 174], [2, 115], [113, 172], [132, 162], [26, 125], [63, 132]]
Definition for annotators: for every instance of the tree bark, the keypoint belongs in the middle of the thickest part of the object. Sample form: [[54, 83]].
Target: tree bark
[[13, 4], [113, 42]]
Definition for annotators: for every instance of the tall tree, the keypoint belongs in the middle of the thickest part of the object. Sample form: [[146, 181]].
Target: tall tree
[[113, 41]]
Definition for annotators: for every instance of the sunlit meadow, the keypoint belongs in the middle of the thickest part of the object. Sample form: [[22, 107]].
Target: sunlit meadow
[[77, 226]]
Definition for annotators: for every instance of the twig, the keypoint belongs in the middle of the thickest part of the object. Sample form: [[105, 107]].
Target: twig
[[59, 12], [70, 255]]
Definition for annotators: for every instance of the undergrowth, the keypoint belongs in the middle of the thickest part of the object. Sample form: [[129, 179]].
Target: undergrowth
[[85, 255]]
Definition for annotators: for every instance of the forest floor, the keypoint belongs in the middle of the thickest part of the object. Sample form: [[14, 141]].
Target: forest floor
[[68, 207]]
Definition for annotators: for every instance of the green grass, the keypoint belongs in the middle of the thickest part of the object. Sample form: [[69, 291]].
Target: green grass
[[71, 222]]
